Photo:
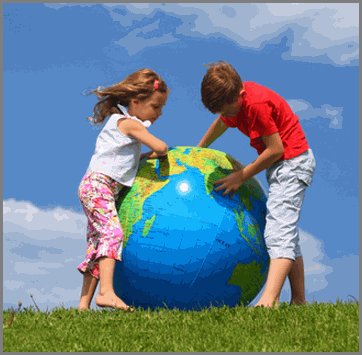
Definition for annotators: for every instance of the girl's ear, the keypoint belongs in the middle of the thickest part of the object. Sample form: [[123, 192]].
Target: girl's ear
[[134, 101]]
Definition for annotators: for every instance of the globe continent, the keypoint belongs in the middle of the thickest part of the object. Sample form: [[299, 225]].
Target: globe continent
[[186, 245]]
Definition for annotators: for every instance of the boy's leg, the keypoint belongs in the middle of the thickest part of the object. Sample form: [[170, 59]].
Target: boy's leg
[[106, 296], [88, 288], [278, 272], [296, 280], [288, 181]]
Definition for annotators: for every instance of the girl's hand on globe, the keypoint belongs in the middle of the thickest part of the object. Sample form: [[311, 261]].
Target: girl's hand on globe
[[145, 155], [152, 155], [149, 155], [230, 183]]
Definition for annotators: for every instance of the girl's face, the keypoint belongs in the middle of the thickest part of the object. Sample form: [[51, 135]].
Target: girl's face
[[149, 109]]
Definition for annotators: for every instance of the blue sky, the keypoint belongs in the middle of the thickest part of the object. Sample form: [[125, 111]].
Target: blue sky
[[53, 53]]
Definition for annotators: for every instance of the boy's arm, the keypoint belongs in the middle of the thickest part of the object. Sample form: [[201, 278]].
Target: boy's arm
[[273, 151], [217, 128]]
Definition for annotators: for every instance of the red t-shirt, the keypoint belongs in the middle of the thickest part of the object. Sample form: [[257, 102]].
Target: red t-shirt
[[264, 112]]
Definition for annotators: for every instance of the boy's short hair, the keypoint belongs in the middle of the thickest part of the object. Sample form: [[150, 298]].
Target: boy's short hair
[[221, 85]]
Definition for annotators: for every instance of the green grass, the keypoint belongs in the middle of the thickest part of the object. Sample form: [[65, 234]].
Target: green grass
[[315, 327]]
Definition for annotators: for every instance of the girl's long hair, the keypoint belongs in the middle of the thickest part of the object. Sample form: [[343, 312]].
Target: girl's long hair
[[139, 85]]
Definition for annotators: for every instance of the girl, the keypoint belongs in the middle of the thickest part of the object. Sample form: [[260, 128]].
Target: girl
[[113, 165]]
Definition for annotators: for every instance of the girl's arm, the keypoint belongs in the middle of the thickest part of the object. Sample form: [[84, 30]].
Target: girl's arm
[[139, 132], [217, 128]]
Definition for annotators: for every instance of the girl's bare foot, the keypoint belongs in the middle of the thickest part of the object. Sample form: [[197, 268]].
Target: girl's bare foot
[[82, 307], [113, 301], [267, 304]]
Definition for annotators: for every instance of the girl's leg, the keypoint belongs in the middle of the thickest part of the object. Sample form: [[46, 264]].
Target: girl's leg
[[88, 288], [296, 279], [278, 272], [106, 296], [105, 237]]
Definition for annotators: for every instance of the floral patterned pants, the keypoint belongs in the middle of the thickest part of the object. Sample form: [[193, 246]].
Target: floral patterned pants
[[97, 193]]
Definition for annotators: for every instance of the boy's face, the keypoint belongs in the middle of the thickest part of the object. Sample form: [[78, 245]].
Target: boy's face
[[230, 110]]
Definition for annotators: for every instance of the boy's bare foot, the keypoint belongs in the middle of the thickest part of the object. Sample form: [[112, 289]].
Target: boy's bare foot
[[298, 302], [113, 301]]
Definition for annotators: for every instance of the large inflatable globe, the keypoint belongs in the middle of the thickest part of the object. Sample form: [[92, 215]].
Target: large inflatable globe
[[186, 245]]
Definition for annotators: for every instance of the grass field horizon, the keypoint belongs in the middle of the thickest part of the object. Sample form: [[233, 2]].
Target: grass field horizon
[[331, 327]]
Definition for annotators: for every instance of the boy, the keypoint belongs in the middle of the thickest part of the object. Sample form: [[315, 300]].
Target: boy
[[275, 132]]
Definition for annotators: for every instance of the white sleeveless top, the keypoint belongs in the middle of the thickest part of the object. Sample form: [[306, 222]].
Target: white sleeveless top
[[117, 155]]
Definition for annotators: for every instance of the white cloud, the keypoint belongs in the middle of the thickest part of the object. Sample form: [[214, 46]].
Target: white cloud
[[306, 111], [13, 285], [343, 282], [58, 296], [20, 216], [315, 267], [319, 30], [140, 38], [30, 268], [41, 250], [28, 212]]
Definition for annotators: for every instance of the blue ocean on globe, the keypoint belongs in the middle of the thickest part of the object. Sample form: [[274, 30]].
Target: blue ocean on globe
[[186, 245]]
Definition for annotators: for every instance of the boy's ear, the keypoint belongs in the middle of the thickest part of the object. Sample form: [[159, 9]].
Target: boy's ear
[[241, 91]]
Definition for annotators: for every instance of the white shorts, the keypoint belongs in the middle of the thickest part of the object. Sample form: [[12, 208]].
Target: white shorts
[[287, 180]]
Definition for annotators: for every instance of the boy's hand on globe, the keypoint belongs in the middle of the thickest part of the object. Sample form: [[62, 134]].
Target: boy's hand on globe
[[230, 183]]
